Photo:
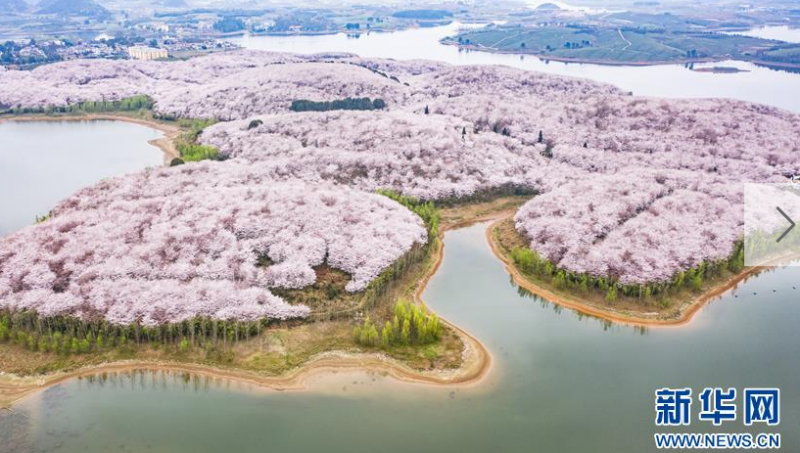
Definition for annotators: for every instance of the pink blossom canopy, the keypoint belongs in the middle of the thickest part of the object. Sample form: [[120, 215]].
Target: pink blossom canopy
[[174, 243], [636, 189]]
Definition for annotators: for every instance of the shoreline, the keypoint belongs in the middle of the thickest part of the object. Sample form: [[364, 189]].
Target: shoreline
[[166, 143], [476, 48], [14, 388], [686, 312], [775, 65], [477, 360]]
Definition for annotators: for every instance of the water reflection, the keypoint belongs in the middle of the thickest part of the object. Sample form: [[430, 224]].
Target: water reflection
[[148, 380], [559, 309]]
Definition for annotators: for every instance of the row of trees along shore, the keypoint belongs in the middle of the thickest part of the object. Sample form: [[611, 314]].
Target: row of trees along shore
[[411, 325], [129, 104], [69, 335], [144, 102], [528, 262], [430, 216]]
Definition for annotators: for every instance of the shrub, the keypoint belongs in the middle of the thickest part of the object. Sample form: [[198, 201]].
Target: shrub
[[303, 105], [411, 325]]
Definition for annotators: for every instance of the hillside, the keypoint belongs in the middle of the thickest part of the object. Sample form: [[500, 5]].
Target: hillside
[[72, 8]]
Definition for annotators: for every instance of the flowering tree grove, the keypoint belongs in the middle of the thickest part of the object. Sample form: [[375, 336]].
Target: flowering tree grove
[[172, 244], [632, 190]]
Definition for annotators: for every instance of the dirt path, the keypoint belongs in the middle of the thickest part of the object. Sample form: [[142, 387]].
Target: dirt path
[[619, 30], [497, 44]]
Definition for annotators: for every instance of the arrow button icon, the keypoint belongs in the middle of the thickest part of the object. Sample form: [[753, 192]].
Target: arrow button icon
[[790, 221]]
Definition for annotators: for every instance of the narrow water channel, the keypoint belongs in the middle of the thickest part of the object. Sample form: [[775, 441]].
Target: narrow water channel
[[560, 382]]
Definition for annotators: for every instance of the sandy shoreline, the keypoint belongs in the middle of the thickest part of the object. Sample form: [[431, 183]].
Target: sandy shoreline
[[15, 388], [686, 313], [166, 144]]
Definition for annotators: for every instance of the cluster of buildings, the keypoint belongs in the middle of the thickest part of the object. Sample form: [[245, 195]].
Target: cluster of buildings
[[28, 53], [91, 49]]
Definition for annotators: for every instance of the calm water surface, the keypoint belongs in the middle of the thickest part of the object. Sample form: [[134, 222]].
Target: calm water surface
[[762, 85], [779, 32], [43, 162], [560, 383]]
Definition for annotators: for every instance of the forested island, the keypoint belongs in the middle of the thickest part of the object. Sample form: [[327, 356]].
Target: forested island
[[317, 229], [627, 38]]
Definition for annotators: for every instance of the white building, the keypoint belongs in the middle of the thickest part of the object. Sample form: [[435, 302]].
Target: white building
[[147, 53]]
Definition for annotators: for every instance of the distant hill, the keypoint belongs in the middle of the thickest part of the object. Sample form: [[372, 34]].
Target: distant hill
[[71, 8], [173, 3], [423, 14], [13, 6], [548, 6]]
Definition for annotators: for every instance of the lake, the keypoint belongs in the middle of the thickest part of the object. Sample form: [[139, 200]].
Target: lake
[[560, 382], [758, 84], [779, 32], [43, 162]]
